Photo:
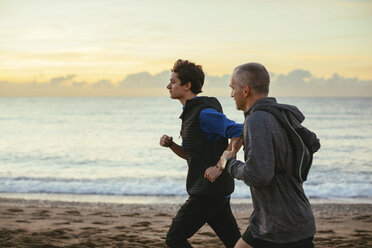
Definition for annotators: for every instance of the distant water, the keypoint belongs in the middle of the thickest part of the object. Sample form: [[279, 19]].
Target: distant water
[[110, 146]]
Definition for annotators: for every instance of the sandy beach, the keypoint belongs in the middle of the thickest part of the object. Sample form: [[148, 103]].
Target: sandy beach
[[39, 223]]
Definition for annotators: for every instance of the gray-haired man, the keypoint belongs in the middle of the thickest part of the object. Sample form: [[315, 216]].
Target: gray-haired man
[[282, 215]]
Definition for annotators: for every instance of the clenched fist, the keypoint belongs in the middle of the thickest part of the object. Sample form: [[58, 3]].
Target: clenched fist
[[212, 173], [166, 141]]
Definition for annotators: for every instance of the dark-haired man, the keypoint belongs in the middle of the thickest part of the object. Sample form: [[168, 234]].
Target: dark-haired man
[[282, 215], [205, 131]]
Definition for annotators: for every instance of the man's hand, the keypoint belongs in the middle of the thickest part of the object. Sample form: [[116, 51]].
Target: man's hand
[[226, 155], [166, 141], [212, 173]]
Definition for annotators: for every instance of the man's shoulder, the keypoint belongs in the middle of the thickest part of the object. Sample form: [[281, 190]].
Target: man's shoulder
[[209, 111], [209, 99], [207, 102], [259, 115], [261, 118]]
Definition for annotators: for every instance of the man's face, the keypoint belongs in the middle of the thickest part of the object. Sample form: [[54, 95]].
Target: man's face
[[237, 94], [175, 88]]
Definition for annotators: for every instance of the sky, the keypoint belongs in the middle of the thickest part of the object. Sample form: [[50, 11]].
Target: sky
[[114, 48]]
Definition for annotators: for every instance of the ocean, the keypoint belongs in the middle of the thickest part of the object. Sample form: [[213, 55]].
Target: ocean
[[107, 147]]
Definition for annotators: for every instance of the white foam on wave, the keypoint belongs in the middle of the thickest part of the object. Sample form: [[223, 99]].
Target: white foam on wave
[[159, 186]]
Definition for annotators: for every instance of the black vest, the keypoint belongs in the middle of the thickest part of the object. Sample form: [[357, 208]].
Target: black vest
[[201, 153]]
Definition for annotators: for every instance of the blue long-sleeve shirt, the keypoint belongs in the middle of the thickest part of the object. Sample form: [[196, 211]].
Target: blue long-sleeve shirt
[[215, 125]]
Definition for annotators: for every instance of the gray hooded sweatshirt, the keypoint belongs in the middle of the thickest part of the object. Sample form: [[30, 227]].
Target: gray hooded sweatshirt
[[282, 213]]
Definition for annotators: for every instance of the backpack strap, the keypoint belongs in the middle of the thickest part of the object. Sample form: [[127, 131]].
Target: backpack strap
[[301, 155], [277, 113]]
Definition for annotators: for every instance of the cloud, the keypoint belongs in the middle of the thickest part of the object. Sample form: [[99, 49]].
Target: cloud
[[78, 84], [295, 76], [217, 82], [103, 84], [59, 80], [298, 82], [303, 83], [145, 80]]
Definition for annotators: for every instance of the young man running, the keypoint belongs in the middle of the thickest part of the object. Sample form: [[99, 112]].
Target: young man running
[[205, 131]]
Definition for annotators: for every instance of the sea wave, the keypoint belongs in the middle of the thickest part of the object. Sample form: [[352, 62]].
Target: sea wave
[[160, 186]]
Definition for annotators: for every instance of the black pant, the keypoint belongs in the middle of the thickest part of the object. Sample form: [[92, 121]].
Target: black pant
[[259, 243], [197, 211]]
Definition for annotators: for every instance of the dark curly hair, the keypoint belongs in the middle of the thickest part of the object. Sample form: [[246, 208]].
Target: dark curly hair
[[189, 72]]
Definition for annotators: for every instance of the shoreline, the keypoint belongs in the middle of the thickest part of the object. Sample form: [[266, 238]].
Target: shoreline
[[45, 223], [138, 199]]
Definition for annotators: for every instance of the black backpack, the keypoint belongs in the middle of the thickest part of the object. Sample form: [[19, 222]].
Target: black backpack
[[304, 142]]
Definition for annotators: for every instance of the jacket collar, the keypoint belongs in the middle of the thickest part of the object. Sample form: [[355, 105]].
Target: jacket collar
[[189, 104], [262, 101]]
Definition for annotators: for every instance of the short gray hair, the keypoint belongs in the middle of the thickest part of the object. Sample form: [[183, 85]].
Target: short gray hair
[[254, 75]]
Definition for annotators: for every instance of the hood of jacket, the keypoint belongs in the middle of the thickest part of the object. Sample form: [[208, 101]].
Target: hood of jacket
[[271, 101]]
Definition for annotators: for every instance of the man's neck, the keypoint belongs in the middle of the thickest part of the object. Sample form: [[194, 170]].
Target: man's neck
[[251, 100], [187, 97]]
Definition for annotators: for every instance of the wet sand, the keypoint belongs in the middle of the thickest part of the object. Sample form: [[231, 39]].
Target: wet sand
[[36, 223]]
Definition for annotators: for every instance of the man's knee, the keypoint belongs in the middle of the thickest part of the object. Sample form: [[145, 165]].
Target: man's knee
[[176, 242], [170, 242], [173, 241]]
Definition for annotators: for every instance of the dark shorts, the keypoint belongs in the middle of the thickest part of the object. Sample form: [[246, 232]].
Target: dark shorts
[[198, 211], [259, 243]]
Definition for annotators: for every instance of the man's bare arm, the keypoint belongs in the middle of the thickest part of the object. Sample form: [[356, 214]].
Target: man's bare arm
[[177, 149], [167, 141], [213, 172], [235, 145]]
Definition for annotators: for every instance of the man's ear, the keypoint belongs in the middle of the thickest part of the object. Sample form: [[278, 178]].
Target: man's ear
[[246, 90], [187, 86]]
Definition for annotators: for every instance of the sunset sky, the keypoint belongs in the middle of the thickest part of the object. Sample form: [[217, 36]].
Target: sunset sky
[[90, 42]]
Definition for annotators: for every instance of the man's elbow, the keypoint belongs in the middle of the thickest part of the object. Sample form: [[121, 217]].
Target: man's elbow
[[259, 181], [265, 181]]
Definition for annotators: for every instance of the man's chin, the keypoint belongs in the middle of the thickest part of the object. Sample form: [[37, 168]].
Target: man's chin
[[238, 108]]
